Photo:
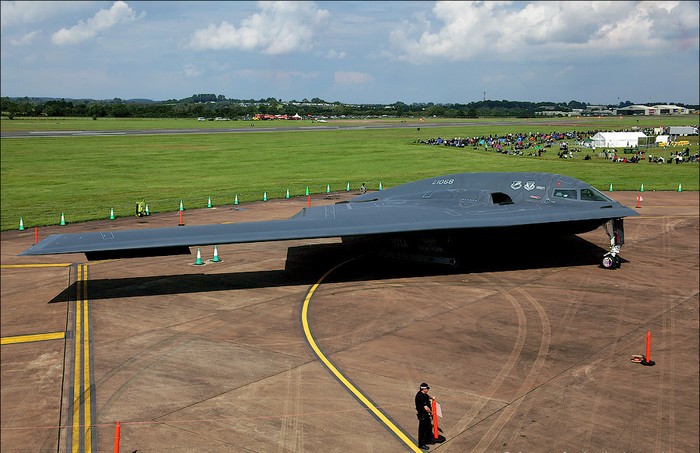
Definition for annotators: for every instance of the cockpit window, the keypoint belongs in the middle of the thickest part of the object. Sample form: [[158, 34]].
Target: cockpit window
[[566, 193], [593, 195]]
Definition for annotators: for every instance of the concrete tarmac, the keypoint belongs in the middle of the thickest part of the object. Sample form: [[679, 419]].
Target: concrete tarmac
[[526, 350]]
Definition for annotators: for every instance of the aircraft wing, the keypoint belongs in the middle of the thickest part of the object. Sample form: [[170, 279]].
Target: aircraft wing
[[414, 207]]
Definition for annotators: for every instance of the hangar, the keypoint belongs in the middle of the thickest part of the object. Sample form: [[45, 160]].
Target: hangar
[[659, 109], [636, 110]]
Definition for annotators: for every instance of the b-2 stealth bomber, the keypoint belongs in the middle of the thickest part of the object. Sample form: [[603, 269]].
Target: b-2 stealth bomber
[[430, 214]]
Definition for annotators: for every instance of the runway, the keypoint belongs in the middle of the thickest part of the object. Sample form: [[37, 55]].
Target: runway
[[262, 127], [526, 350]]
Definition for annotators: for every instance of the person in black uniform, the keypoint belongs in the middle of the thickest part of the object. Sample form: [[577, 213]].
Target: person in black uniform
[[424, 413]]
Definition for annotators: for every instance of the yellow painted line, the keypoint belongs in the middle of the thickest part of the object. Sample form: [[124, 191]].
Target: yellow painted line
[[354, 390], [33, 337], [30, 266], [680, 216], [86, 367], [81, 372], [76, 377]]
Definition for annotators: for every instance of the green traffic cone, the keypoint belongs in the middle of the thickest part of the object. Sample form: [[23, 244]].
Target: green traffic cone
[[216, 256], [287, 196], [63, 219], [265, 196], [235, 200], [680, 189], [380, 186], [347, 189], [199, 262], [111, 214], [209, 203], [328, 188], [182, 208], [611, 187], [641, 189], [21, 224], [307, 190], [147, 212]]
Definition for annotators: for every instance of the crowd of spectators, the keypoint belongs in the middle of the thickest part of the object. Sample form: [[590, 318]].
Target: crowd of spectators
[[675, 157], [519, 141], [536, 143]]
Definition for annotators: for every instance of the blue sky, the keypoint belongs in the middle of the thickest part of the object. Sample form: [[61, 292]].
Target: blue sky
[[354, 51]]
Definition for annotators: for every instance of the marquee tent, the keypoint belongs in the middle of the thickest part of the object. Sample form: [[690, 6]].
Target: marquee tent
[[616, 139]]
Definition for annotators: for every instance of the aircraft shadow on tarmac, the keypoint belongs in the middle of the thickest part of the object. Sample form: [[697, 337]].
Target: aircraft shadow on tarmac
[[306, 264]]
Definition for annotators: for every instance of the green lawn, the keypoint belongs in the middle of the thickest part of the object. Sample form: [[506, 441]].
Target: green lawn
[[85, 177]]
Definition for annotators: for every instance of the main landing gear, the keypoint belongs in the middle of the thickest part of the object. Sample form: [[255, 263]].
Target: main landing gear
[[616, 233]]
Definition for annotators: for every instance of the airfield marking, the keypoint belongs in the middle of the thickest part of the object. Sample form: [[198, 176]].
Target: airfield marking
[[33, 337], [39, 336], [692, 216], [81, 416], [338, 375], [31, 266]]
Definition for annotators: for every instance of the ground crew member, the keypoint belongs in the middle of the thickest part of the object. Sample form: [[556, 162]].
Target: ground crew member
[[141, 208], [424, 414]]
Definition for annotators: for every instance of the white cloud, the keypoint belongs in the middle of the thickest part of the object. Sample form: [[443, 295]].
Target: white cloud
[[25, 39], [279, 28], [191, 71], [541, 30], [335, 55], [15, 13], [103, 20], [352, 78]]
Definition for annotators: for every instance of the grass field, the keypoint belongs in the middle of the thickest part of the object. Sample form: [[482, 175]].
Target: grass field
[[85, 177]]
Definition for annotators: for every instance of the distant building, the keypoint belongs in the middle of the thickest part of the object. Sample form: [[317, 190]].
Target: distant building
[[597, 110], [671, 110], [636, 110], [653, 110], [556, 113]]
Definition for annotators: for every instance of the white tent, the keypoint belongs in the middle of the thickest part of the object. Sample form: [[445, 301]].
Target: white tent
[[616, 139]]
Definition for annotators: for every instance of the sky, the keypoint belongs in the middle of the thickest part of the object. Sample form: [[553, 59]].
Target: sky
[[356, 52]]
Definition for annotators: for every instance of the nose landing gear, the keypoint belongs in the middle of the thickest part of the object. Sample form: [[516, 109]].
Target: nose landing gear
[[616, 233], [611, 261]]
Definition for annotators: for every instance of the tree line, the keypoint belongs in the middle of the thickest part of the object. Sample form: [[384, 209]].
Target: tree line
[[211, 105]]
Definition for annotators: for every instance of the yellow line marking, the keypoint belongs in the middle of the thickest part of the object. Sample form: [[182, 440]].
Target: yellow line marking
[[33, 337], [29, 266], [368, 404], [681, 216], [81, 372], [77, 374], [86, 367]]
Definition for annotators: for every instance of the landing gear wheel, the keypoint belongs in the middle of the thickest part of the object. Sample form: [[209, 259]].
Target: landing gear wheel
[[611, 262]]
